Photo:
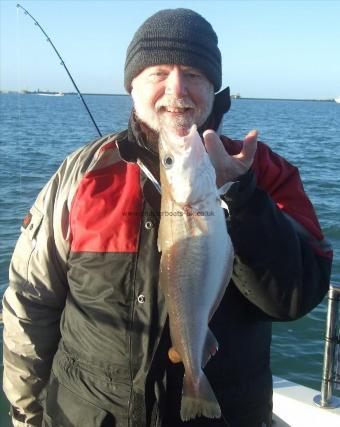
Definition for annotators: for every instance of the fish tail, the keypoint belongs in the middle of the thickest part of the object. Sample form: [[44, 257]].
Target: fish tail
[[199, 401]]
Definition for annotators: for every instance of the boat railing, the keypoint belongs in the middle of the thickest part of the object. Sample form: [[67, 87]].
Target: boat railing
[[331, 360]]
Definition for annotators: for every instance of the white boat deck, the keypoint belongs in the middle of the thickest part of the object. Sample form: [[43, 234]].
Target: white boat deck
[[294, 407]]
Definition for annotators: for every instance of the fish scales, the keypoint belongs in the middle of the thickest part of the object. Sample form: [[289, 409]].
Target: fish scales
[[196, 261]]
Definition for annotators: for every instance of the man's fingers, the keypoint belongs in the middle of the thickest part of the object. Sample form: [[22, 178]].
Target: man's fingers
[[229, 167], [249, 147], [174, 356], [214, 148]]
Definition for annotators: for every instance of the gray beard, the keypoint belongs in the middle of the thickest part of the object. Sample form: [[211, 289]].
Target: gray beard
[[180, 125]]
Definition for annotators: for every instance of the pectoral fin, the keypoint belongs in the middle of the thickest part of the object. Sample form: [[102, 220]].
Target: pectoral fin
[[210, 347], [222, 190], [225, 187]]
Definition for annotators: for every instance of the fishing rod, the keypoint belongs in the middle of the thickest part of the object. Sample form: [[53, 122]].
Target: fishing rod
[[141, 165], [63, 64]]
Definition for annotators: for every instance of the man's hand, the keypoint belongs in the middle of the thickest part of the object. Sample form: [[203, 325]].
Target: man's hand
[[227, 167]]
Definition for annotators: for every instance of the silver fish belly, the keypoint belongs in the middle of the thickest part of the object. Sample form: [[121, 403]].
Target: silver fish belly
[[195, 267]]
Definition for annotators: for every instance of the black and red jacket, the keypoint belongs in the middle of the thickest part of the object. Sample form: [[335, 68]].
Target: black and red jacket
[[84, 299]]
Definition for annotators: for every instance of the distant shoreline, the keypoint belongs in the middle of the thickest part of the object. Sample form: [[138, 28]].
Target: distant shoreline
[[126, 94]]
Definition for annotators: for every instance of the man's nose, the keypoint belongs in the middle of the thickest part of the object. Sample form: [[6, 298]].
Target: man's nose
[[175, 84]]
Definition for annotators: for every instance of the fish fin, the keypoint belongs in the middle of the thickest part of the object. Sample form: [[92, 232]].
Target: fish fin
[[227, 277], [222, 190], [224, 205], [203, 402], [225, 187], [210, 347]]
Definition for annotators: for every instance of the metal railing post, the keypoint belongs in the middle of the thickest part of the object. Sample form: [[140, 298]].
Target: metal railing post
[[326, 398]]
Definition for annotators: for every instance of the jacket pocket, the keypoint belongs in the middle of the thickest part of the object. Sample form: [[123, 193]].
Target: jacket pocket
[[26, 243], [63, 408]]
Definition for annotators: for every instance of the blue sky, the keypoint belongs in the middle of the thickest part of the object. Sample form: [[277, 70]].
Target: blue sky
[[278, 49]]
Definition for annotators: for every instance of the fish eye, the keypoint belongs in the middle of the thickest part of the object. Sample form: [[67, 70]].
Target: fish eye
[[168, 161]]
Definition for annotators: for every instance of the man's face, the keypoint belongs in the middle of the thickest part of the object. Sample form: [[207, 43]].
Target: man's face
[[174, 96]]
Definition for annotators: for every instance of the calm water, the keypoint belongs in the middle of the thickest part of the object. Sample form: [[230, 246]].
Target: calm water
[[37, 132]]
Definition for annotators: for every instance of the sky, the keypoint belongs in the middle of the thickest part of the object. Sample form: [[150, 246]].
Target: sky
[[270, 49]]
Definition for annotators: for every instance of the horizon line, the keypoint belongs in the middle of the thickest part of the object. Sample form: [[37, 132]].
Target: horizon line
[[233, 97]]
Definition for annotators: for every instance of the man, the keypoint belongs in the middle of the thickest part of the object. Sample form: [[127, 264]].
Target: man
[[86, 339]]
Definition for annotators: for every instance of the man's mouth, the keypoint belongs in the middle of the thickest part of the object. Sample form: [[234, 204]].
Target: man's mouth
[[176, 110]]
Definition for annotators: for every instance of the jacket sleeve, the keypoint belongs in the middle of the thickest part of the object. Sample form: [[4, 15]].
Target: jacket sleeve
[[33, 303], [283, 263]]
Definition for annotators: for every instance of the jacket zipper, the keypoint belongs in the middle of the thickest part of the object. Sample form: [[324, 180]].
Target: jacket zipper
[[132, 316]]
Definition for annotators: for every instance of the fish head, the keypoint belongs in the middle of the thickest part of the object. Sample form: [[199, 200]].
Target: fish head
[[185, 168]]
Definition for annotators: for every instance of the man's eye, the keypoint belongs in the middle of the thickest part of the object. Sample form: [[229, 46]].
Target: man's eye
[[193, 75], [158, 74]]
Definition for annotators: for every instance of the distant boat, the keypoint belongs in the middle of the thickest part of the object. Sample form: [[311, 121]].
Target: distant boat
[[337, 99], [42, 92], [49, 93]]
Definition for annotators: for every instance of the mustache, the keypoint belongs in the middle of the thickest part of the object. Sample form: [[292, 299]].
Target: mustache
[[174, 103]]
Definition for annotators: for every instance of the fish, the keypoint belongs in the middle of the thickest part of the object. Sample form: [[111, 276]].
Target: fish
[[196, 261]]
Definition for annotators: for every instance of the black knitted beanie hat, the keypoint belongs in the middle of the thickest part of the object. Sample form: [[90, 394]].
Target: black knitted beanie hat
[[174, 36]]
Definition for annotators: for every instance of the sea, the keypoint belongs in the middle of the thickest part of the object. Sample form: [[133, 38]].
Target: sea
[[38, 132]]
